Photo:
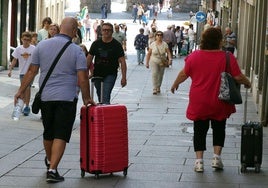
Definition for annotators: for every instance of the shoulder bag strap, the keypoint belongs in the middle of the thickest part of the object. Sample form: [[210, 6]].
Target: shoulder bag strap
[[227, 68], [53, 66], [159, 52]]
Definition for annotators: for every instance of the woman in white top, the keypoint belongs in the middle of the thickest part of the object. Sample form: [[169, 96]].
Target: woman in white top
[[157, 49], [43, 33]]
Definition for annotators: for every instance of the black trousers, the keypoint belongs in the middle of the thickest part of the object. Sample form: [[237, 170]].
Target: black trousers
[[170, 46], [230, 49], [200, 133]]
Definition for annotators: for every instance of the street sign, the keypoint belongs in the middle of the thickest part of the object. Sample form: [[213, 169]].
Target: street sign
[[200, 16]]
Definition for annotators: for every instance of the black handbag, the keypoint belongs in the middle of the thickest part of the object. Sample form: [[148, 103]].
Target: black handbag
[[36, 103], [229, 89], [37, 99]]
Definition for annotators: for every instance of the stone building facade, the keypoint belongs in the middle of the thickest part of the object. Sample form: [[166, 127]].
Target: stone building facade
[[177, 5]]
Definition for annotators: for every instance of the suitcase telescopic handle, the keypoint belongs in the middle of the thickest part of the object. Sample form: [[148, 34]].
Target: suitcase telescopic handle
[[245, 106], [93, 80]]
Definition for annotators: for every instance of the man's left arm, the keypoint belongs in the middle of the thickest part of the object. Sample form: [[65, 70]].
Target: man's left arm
[[125, 43], [123, 67], [27, 79], [84, 86]]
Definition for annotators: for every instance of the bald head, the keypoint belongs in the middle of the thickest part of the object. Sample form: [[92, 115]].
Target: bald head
[[69, 26], [228, 30]]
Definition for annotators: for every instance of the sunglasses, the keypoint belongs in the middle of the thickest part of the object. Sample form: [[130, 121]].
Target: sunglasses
[[26, 39], [106, 30]]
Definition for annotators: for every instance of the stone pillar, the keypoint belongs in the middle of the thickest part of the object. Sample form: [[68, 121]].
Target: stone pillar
[[5, 34]]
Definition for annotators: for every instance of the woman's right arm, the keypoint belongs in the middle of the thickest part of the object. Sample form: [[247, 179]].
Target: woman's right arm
[[149, 53], [180, 78], [90, 65], [242, 79]]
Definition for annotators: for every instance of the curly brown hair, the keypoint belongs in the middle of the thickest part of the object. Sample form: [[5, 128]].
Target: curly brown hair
[[46, 20], [211, 39]]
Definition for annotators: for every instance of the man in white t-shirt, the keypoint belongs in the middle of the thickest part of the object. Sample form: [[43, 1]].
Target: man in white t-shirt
[[23, 55], [87, 24], [191, 35], [146, 30]]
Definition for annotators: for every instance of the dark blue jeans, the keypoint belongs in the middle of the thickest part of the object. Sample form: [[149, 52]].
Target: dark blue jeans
[[108, 85], [140, 55]]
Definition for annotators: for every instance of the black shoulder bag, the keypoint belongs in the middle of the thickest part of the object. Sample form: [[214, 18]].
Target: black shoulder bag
[[37, 99], [229, 90]]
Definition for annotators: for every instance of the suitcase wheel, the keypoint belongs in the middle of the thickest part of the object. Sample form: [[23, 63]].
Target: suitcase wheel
[[82, 173], [125, 172], [243, 168], [97, 176], [257, 168]]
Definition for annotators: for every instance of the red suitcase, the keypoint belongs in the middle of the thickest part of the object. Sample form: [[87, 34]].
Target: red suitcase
[[103, 139]]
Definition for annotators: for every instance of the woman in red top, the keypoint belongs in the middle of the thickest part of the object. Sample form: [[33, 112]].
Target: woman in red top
[[204, 67]]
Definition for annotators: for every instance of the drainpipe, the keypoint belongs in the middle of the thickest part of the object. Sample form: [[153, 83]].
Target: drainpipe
[[264, 117]]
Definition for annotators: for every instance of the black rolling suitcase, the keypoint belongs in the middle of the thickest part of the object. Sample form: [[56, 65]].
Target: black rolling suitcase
[[251, 143]]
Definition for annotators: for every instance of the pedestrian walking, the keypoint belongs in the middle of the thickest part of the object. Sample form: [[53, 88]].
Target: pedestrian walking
[[134, 12], [151, 36], [157, 50], [34, 38], [191, 35], [170, 38], [169, 13], [140, 13], [95, 26], [120, 37], [155, 10], [79, 34], [43, 33], [104, 10], [150, 8], [99, 30], [161, 2], [23, 56], [179, 38], [204, 67], [123, 28], [59, 96], [141, 43], [191, 14], [53, 29], [154, 24], [146, 29], [229, 40], [87, 25], [107, 53]]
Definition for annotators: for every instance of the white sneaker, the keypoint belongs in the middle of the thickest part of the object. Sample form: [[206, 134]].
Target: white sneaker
[[217, 163], [199, 166]]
